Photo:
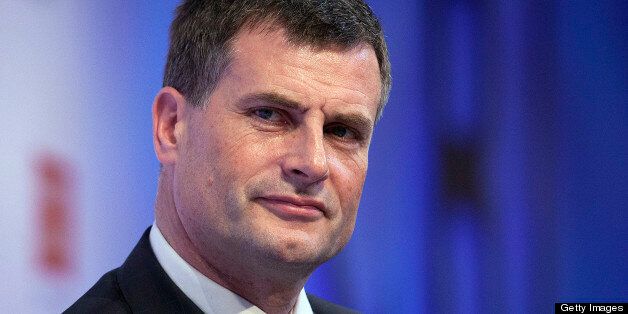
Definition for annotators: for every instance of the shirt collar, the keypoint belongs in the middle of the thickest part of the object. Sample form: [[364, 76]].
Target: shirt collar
[[209, 296]]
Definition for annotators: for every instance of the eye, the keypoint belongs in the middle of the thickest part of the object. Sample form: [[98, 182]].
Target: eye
[[268, 114], [342, 132]]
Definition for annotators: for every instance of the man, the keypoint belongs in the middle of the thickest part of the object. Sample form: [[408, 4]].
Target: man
[[262, 129]]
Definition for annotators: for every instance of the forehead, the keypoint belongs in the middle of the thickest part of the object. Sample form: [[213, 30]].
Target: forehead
[[264, 57]]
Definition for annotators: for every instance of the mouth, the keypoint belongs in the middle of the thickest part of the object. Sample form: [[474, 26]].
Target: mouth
[[293, 208]]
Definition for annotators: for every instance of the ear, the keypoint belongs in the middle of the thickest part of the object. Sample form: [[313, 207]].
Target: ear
[[168, 110]]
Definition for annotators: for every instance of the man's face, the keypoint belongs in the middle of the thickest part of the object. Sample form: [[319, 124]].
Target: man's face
[[273, 167]]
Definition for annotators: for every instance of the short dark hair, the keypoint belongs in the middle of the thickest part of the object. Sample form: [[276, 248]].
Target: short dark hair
[[202, 32]]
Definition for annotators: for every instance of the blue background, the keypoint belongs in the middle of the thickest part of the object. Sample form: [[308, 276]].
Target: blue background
[[498, 173]]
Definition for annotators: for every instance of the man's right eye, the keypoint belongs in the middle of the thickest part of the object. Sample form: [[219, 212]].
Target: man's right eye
[[268, 114]]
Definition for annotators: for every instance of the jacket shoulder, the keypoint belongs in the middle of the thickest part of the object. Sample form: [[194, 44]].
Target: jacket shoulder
[[322, 306], [104, 297]]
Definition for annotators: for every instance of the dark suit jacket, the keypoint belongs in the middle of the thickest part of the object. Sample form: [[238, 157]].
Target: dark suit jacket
[[140, 285]]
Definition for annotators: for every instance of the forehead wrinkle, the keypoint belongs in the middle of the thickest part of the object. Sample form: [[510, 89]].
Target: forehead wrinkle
[[321, 96], [303, 97], [326, 79], [324, 100], [311, 73]]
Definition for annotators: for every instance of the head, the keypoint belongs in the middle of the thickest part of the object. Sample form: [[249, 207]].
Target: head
[[202, 35], [263, 128]]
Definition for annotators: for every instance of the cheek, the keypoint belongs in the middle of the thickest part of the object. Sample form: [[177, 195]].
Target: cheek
[[193, 178], [242, 156], [348, 176]]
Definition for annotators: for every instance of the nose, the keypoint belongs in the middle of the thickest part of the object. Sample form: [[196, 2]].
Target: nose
[[305, 162]]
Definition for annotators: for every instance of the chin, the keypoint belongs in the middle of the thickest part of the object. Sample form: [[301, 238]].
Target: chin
[[297, 251]]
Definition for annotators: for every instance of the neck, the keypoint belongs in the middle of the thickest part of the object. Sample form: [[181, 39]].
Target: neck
[[270, 285]]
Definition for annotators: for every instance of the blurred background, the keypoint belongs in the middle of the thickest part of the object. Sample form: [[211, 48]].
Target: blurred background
[[497, 180]]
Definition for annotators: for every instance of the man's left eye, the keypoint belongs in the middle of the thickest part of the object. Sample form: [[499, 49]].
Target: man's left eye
[[341, 132], [268, 114]]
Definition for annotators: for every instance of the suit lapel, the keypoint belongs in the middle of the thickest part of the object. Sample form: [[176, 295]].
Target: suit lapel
[[146, 286]]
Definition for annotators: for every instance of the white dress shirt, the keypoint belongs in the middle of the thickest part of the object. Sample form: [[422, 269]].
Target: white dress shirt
[[209, 296]]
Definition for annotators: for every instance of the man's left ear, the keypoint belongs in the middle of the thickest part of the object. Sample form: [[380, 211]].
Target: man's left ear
[[168, 110]]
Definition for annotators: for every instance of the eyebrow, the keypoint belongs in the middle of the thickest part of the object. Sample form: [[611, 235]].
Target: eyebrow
[[356, 120], [275, 99]]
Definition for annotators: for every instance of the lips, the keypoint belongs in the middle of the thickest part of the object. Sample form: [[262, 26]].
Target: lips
[[293, 208]]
